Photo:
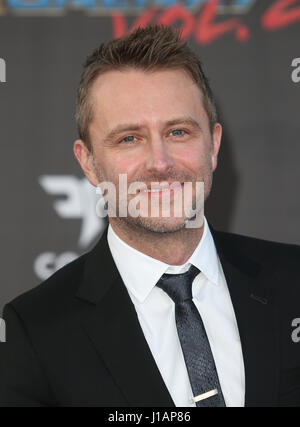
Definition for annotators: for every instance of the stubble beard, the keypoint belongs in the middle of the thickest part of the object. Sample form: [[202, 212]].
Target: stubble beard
[[142, 224]]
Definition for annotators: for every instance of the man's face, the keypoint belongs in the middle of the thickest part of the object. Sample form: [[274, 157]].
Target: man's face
[[151, 126]]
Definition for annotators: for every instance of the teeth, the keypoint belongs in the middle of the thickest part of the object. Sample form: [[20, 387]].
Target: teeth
[[155, 190]]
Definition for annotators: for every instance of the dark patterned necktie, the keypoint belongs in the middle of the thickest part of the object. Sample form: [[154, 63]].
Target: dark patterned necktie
[[194, 342]]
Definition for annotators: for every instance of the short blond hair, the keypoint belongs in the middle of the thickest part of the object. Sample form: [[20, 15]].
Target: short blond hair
[[154, 47]]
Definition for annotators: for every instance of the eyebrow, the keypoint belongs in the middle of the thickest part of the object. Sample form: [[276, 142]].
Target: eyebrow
[[135, 126]]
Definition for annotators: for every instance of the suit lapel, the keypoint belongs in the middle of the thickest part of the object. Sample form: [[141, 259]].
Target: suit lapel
[[255, 305], [114, 330]]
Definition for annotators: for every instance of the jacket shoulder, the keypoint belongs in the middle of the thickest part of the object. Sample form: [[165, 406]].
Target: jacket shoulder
[[54, 294], [260, 250]]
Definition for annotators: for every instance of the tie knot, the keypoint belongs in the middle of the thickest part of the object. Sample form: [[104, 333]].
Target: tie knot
[[178, 286]]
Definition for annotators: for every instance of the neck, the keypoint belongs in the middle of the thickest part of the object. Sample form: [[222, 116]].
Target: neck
[[173, 248]]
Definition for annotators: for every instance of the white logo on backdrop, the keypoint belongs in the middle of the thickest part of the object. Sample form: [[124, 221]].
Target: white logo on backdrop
[[77, 200]]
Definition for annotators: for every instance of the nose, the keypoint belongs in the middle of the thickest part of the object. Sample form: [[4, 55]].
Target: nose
[[158, 158]]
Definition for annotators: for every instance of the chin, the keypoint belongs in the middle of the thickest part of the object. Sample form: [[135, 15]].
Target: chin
[[158, 225]]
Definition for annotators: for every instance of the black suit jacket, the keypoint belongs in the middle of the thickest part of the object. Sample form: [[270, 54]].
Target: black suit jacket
[[75, 340]]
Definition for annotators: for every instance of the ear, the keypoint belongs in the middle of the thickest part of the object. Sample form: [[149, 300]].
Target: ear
[[84, 157], [216, 143]]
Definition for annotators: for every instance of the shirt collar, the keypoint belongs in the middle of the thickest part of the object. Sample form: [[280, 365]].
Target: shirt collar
[[140, 272]]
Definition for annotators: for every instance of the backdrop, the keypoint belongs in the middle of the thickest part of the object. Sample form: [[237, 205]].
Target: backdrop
[[250, 50]]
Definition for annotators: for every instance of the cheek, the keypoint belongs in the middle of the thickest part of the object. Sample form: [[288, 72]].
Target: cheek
[[127, 165], [121, 163], [196, 160], [200, 163]]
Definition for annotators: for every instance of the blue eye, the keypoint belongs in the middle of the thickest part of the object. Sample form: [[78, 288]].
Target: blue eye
[[128, 138], [177, 132]]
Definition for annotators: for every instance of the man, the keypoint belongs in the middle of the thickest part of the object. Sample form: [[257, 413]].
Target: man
[[111, 328]]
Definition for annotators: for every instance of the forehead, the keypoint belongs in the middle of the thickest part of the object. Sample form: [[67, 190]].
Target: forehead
[[146, 97]]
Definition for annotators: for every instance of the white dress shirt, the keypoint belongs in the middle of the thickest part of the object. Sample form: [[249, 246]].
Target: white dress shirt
[[156, 314]]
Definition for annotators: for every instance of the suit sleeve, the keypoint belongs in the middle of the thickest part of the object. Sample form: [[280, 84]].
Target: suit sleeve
[[22, 382]]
